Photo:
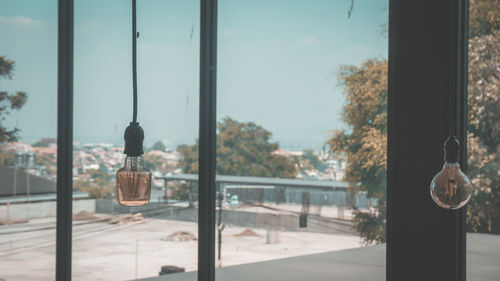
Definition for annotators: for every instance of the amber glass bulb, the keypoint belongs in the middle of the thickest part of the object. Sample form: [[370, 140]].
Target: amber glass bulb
[[133, 183], [451, 188]]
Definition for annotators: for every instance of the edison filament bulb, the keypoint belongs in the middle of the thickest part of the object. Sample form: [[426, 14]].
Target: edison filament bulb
[[133, 181], [451, 188]]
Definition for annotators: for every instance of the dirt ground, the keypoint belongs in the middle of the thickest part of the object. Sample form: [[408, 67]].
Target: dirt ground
[[104, 251]]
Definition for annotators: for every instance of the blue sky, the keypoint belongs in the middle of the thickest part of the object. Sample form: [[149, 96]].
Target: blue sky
[[277, 65]]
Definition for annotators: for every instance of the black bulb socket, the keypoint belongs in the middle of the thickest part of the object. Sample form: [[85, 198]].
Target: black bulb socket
[[134, 139], [451, 150]]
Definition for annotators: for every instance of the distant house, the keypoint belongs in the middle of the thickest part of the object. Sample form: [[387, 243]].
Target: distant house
[[171, 157], [287, 153]]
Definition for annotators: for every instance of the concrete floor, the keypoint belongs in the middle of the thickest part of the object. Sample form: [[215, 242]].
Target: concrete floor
[[360, 264], [103, 251]]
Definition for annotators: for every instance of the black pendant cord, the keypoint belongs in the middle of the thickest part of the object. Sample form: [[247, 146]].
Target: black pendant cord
[[134, 59], [452, 101], [452, 144], [134, 134]]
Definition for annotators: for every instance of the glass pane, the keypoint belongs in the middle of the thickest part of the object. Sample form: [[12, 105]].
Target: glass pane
[[110, 241], [28, 128], [292, 76], [483, 141]]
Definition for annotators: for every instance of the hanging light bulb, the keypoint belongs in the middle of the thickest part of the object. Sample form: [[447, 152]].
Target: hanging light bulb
[[451, 188], [133, 181]]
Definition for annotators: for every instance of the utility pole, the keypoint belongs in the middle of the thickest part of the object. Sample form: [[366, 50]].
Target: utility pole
[[26, 170], [28, 185], [166, 191], [14, 183], [220, 227]]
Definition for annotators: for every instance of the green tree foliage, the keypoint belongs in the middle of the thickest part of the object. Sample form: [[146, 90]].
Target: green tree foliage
[[310, 161], [483, 210], [181, 191], [6, 157], [364, 144], [189, 158], [484, 17], [40, 144], [48, 161], [155, 162], [243, 149], [9, 102], [98, 184], [100, 176], [189, 165], [158, 146]]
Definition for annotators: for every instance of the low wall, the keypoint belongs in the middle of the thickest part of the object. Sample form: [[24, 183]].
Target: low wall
[[21, 211], [289, 222]]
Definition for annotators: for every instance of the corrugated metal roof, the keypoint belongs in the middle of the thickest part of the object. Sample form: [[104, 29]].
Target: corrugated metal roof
[[265, 181], [38, 185]]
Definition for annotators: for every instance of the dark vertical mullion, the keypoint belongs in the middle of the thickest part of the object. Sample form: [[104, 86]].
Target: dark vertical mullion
[[419, 233], [390, 138], [64, 138], [207, 140], [461, 72]]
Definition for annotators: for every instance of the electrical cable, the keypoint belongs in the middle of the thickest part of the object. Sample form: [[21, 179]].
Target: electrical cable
[[134, 60], [452, 99]]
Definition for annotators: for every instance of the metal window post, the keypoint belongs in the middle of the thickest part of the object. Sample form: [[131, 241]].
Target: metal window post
[[207, 140], [424, 241], [64, 138], [461, 9]]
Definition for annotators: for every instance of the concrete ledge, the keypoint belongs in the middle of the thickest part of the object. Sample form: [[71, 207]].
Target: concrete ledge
[[361, 264], [42, 209]]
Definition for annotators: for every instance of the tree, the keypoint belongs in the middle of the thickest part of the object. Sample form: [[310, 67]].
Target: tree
[[158, 146], [364, 144], [100, 176], [48, 161], [243, 149], [484, 17], [154, 162], [40, 144], [310, 160], [483, 157], [189, 165], [9, 102], [6, 157], [98, 185]]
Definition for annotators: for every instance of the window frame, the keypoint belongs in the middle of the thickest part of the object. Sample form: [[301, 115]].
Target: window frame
[[425, 242], [64, 185]]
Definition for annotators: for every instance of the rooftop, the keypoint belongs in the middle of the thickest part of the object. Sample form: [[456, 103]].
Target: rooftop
[[359, 264]]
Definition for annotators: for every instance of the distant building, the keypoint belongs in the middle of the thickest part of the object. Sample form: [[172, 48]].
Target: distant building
[[287, 153], [14, 181]]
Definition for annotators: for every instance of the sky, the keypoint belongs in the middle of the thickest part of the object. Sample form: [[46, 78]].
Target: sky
[[277, 65]]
